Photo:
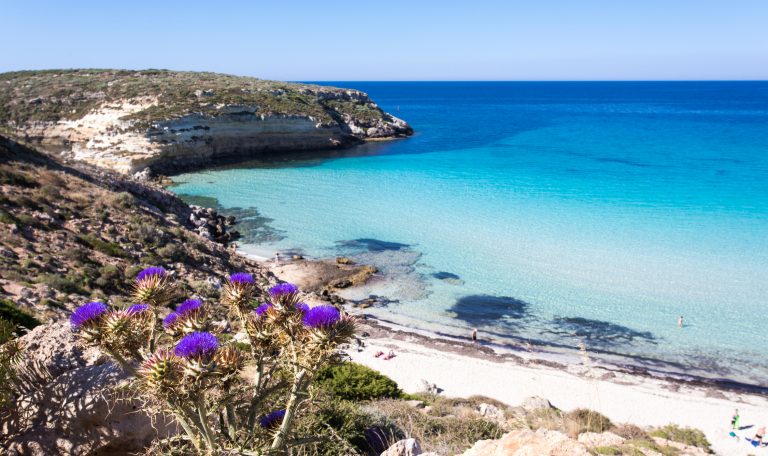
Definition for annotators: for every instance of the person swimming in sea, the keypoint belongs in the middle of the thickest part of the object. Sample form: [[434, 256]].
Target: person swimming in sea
[[474, 335]]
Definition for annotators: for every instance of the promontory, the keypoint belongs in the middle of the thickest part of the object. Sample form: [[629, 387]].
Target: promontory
[[130, 120]]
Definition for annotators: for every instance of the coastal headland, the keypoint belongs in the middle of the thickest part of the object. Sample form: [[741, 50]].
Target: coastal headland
[[167, 120]]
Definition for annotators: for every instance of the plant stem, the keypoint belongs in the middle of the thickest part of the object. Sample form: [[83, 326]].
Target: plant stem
[[278, 443], [184, 425], [203, 415], [120, 360]]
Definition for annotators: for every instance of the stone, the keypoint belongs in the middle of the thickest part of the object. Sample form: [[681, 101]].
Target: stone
[[405, 447], [535, 403], [68, 404], [524, 442], [594, 439], [344, 260], [415, 403], [492, 413]]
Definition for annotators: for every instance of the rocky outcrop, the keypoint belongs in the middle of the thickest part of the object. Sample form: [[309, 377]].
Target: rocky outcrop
[[131, 120], [525, 442], [68, 402], [405, 447]]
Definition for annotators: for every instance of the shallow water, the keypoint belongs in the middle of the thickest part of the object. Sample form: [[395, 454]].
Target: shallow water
[[553, 212]]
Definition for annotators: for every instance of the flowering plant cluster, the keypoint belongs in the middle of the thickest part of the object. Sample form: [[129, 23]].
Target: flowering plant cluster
[[234, 387]]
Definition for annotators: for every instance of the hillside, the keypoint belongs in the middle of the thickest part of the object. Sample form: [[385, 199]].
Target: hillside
[[129, 120], [70, 233]]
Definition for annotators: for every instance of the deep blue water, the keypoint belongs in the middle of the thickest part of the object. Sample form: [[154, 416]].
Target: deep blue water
[[554, 212]]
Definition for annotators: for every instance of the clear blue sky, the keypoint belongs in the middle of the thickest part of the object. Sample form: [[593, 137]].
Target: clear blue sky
[[396, 40]]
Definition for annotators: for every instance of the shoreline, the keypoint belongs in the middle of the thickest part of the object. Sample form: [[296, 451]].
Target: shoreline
[[521, 351], [512, 373]]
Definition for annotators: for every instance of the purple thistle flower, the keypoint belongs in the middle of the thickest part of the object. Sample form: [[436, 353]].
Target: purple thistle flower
[[241, 277], [87, 313], [137, 308], [302, 307], [272, 419], [170, 320], [259, 311], [321, 316], [189, 306], [197, 345], [283, 289], [151, 271]]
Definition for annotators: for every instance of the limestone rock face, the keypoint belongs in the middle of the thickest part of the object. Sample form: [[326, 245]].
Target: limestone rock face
[[525, 442], [68, 404], [406, 447], [535, 403], [130, 120]]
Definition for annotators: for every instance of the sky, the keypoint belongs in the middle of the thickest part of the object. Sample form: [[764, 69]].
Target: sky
[[335, 40]]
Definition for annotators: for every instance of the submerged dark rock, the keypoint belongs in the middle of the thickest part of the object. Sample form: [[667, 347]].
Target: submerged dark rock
[[373, 245], [489, 309], [448, 277], [599, 333]]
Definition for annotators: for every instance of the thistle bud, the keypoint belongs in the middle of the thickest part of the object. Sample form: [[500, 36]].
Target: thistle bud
[[87, 319], [238, 291], [152, 286], [160, 370], [197, 351], [284, 296], [229, 360]]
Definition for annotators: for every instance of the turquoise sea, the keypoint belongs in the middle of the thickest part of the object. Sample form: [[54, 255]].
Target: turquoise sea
[[546, 215]]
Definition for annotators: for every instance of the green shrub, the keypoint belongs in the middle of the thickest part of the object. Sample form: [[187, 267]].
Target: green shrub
[[12, 314], [630, 432], [172, 252], [122, 200], [8, 177], [585, 420], [105, 247], [355, 382], [686, 435], [65, 284], [109, 277], [609, 450]]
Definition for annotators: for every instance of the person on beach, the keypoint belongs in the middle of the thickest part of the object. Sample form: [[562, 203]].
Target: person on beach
[[735, 420], [680, 322], [474, 335], [758, 440], [277, 258]]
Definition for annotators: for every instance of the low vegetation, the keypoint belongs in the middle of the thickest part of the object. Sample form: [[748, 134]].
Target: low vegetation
[[53, 95]]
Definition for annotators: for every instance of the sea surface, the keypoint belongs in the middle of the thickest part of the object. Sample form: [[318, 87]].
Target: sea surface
[[545, 214]]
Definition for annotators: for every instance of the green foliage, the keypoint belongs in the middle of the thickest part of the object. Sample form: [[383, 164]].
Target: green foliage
[[67, 94], [105, 247], [609, 450], [8, 177], [355, 382], [589, 421], [686, 435], [12, 314], [122, 200]]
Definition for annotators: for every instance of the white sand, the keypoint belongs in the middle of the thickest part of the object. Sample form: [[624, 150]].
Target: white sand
[[625, 398]]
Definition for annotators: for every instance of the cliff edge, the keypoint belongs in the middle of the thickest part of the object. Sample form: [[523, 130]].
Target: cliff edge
[[130, 120]]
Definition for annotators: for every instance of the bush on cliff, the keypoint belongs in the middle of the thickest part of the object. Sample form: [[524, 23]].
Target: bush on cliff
[[355, 382]]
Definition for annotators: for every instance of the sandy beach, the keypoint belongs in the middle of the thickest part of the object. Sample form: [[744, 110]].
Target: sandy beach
[[462, 369]]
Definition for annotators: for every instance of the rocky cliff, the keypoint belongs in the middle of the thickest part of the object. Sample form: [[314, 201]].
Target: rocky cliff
[[130, 120]]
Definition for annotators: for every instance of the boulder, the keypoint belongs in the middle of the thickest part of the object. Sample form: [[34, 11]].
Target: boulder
[[524, 442], [535, 403], [492, 412], [67, 401], [406, 447], [594, 439]]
